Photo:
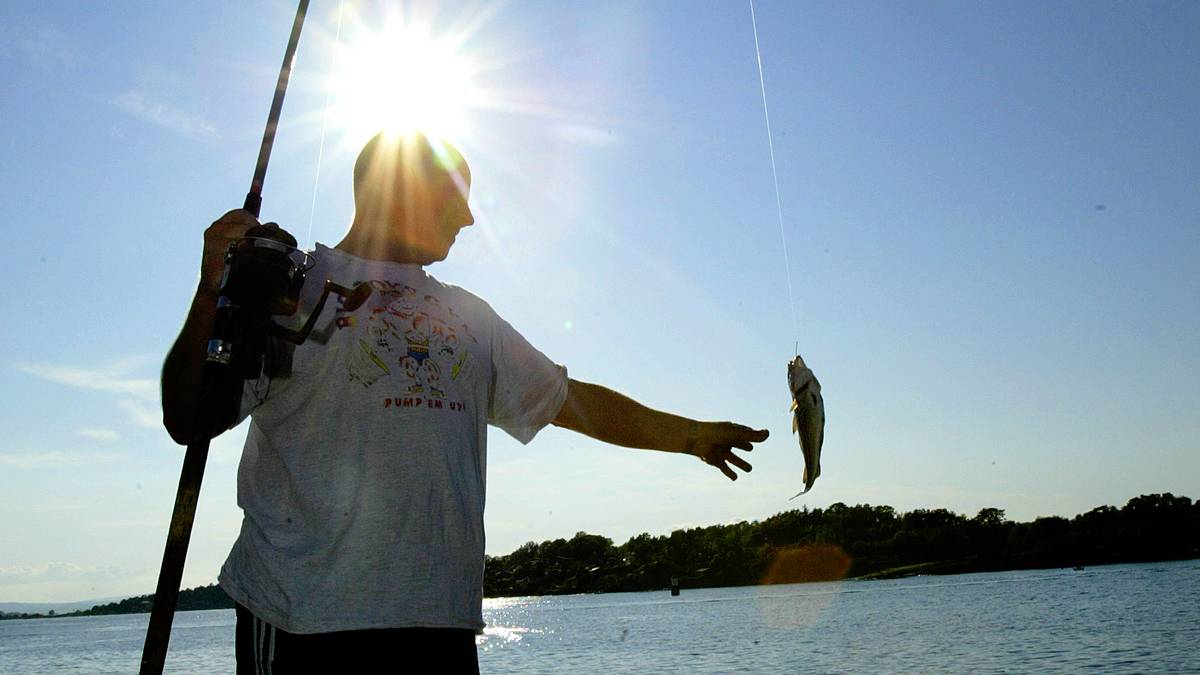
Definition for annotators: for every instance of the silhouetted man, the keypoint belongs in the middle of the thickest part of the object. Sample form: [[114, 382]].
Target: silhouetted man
[[363, 475]]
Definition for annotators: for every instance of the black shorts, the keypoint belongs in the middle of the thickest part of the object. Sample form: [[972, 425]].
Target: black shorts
[[263, 648]]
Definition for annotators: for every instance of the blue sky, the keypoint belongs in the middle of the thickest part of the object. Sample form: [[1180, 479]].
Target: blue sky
[[990, 213]]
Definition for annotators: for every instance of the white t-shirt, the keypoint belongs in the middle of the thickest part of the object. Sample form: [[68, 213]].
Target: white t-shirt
[[363, 476]]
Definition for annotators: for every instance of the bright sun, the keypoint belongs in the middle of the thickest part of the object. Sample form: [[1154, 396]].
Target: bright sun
[[401, 78]]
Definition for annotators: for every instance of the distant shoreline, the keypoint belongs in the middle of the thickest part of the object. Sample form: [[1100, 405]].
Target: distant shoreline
[[841, 542], [922, 569]]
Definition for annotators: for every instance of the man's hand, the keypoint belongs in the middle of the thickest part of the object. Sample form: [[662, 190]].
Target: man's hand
[[183, 371], [713, 443], [217, 238]]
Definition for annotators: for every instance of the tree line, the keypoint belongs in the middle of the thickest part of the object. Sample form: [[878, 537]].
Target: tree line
[[849, 541], [815, 545], [201, 597]]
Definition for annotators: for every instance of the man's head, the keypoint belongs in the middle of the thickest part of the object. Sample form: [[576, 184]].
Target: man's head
[[412, 193]]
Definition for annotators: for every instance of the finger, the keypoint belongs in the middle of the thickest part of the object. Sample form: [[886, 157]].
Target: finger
[[740, 463], [237, 220], [744, 445], [726, 470], [743, 434], [220, 235], [752, 435]]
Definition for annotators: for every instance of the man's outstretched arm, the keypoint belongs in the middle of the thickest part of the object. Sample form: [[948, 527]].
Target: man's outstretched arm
[[612, 417]]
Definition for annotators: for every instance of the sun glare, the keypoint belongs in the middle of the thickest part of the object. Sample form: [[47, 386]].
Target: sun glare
[[401, 79]]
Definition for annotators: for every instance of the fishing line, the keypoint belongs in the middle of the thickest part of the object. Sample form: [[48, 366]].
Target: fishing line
[[337, 43], [775, 176]]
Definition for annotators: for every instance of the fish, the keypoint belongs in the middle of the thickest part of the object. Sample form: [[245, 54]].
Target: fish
[[808, 418]]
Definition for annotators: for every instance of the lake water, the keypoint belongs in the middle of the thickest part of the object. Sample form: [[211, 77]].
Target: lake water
[[1113, 619]]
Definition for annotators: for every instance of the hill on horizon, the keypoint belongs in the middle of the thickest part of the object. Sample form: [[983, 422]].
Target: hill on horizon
[[56, 607]]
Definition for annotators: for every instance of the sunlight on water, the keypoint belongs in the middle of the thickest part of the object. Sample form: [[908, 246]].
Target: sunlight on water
[[493, 634], [796, 610]]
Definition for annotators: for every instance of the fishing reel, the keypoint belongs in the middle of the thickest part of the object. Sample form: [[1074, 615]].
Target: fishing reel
[[264, 274], [264, 271]]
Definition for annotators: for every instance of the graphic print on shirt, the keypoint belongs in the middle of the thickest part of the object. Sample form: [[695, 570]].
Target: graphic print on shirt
[[410, 340]]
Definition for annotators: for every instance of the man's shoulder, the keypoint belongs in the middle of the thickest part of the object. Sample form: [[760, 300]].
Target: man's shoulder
[[456, 293]]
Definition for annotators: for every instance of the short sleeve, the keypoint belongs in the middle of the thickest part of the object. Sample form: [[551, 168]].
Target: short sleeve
[[528, 389]]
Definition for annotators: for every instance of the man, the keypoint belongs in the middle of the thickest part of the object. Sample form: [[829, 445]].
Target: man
[[362, 479]]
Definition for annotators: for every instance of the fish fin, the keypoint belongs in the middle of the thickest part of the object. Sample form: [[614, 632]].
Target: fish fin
[[802, 492]]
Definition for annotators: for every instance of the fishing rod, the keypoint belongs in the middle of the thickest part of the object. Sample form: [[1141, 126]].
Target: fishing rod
[[268, 281]]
